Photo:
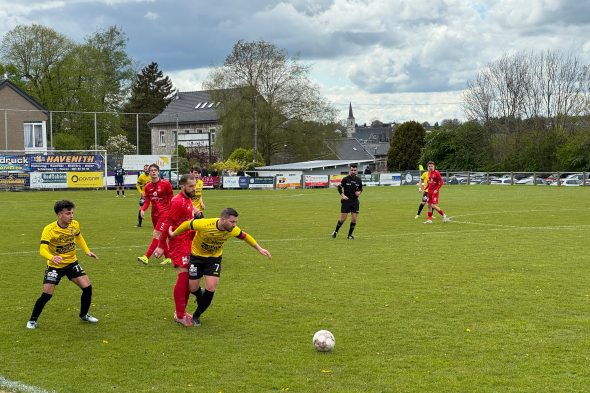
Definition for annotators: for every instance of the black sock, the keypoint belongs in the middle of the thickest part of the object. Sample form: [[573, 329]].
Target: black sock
[[351, 229], [199, 295], [204, 303], [39, 304], [139, 217], [123, 192], [85, 300], [338, 225], [117, 192], [420, 208]]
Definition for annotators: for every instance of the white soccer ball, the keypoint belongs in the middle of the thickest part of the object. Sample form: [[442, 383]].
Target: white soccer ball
[[323, 341]]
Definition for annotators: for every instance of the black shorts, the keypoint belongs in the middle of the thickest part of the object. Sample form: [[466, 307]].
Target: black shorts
[[53, 275], [203, 266], [425, 197], [119, 181], [349, 206]]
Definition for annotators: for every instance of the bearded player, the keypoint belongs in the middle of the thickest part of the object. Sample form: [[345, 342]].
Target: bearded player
[[181, 209]]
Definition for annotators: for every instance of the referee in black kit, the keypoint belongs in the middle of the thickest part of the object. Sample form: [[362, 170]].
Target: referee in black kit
[[350, 190]]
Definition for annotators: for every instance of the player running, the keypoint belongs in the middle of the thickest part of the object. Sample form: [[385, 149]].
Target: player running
[[58, 247], [181, 209], [422, 188], [435, 182], [158, 192], [206, 253]]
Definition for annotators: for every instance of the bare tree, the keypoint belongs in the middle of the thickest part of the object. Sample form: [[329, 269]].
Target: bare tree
[[548, 85], [277, 90]]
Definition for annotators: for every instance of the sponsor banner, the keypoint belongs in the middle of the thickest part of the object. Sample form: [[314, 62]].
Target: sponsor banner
[[335, 180], [316, 181], [14, 181], [235, 182], [262, 182], [49, 180], [54, 162], [85, 180], [370, 180], [390, 179], [411, 177], [14, 163], [288, 180], [210, 181], [136, 163]]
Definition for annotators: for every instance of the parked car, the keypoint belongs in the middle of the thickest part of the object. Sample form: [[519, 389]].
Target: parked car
[[531, 181], [568, 182], [502, 181]]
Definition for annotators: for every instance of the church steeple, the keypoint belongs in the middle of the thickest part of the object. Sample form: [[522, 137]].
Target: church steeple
[[350, 123]]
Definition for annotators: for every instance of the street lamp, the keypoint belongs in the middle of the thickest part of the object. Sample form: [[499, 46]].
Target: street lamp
[[255, 155]]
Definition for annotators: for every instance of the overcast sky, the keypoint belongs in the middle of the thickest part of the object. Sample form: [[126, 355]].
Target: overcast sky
[[395, 60]]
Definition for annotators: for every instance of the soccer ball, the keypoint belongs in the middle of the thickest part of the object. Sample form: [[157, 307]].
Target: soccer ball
[[323, 341]]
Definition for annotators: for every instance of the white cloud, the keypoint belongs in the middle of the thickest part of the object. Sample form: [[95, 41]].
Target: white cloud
[[151, 15]]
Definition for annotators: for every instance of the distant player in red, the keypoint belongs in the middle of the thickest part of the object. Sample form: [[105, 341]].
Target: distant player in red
[[158, 192], [435, 182], [181, 209]]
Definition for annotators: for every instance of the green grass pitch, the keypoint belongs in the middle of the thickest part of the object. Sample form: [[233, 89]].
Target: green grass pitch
[[496, 301]]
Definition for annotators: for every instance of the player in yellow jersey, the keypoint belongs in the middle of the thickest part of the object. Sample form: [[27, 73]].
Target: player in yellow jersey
[[143, 179], [58, 247], [198, 202], [206, 253], [423, 188]]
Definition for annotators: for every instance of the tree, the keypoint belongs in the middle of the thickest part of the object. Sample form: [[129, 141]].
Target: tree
[[117, 146], [405, 146], [151, 93], [260, 82]]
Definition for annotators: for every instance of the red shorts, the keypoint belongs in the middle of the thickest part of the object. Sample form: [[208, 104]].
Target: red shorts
[[180, 249], [432, 198], [158, 222]]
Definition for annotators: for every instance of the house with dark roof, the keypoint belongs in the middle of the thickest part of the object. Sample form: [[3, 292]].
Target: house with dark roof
[[24, 121], [190, 115]]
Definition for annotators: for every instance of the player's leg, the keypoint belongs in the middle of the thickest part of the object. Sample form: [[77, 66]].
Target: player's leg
[[353, 216], [206, 298], [79, 277], [139, 218], [47, 293], [341, 219]]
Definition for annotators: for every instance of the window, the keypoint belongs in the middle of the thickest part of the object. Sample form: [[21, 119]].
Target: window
[[35, 138], [212, 132], [162, 138]]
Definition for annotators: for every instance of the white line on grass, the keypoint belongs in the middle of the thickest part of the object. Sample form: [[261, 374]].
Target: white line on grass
[[489, 227], [21, 387]]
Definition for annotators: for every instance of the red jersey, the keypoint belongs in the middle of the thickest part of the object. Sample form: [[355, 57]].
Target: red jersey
[[159, 194], [435, 181], [181, 210]]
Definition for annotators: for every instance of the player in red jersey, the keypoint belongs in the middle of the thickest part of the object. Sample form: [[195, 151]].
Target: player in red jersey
[[158, 192], [435, 182], [181, 209]]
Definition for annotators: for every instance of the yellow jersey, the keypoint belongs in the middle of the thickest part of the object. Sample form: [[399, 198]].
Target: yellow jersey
[[56, 240], [198, 195], [142, 180], [424, 178], [208, 241]]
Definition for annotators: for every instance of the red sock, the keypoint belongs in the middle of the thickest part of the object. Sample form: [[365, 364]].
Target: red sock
[[152, 247], [441, 212], [430, 215], [181, 294]]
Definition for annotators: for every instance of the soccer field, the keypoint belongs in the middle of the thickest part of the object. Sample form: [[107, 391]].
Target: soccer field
[[495, 301]]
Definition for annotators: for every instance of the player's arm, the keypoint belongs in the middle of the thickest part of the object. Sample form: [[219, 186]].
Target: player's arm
[[138, 185], [341, 190], [359, 190], [185, 226], [251, 241], [79, 239], [45, 252]]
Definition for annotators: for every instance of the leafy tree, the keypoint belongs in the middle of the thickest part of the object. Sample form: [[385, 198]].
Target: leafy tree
[[117, 146], [261, 83], [246, 156], [405, 146], [574, 155], [68, 141], [151, 93], [377, 124]]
